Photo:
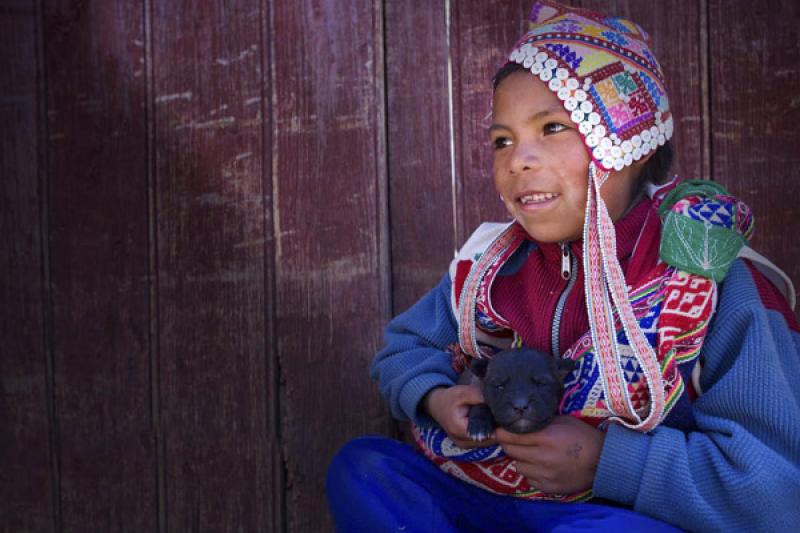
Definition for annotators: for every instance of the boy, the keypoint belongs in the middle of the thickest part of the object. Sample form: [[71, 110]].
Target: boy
[[691, 421]]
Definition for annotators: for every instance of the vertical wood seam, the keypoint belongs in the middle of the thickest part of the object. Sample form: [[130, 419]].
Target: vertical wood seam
[[451, 124], [383, 171], [382, 166], [707, 165], [273, 369], [44, 240], [152, 247]]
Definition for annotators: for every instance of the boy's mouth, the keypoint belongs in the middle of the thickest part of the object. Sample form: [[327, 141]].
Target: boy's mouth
[[536, 198]]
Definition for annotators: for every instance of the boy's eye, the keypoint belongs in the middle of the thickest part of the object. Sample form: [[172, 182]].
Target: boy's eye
[[554, 127], [501, 142]]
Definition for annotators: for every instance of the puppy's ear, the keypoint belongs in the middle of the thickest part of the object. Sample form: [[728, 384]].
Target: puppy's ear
[[564, 367], [478, 366]]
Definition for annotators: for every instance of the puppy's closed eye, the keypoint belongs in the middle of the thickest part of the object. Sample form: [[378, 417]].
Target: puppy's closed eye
[[499, 385]]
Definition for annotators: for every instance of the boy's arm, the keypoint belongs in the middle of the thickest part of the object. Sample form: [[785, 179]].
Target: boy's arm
[[741, 469], [414, 360]]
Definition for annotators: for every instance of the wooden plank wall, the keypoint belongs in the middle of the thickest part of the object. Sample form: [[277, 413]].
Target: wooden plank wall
[[209, 210]]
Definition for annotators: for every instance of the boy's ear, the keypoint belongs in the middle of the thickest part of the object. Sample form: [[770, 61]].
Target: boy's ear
[[564, 367], [478, 366]]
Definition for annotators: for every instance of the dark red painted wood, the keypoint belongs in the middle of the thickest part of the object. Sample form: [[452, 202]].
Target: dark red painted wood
[[332, 262], [26, 481], [221, 274], [420, 169], [98, 242], [755, 111], [208, 61], [483, 33]]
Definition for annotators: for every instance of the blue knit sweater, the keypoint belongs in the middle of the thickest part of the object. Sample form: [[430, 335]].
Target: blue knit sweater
[[739, 471]]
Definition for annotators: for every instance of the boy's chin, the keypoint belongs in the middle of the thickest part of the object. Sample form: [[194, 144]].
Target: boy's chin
[[540, 233]]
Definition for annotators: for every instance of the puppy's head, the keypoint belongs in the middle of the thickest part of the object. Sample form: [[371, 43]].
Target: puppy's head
[[523, 387]]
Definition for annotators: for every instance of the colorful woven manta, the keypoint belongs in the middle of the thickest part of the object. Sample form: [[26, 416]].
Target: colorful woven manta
[[672, 308]]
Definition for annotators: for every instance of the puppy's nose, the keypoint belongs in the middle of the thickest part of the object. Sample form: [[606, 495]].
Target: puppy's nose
[[520, 405]]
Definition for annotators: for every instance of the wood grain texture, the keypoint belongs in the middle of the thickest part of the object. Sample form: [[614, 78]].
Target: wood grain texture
[[755, 112], [276, 506], [99, 264], [331, 271], [420, 170], [483, 33], [26, 480], [210, 230]]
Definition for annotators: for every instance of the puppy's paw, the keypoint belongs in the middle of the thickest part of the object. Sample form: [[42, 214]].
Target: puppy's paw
[[481, 423], [479, 432]]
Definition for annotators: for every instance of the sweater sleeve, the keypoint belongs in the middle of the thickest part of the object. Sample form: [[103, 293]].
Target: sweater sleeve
[[740, 471], [414, 359]]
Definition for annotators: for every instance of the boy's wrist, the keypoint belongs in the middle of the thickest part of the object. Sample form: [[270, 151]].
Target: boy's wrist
[[429, 399]]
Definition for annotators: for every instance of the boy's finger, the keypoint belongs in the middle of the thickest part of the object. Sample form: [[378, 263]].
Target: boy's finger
[[471, 394]]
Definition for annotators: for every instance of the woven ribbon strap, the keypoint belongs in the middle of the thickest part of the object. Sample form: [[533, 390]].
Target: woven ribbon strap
[[607, 296], [498, 250]]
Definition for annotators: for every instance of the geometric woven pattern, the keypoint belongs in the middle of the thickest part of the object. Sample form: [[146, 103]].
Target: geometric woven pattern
[[673, 310]]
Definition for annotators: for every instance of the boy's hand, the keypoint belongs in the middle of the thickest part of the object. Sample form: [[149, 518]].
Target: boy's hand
[[561, 458], [449, 406]]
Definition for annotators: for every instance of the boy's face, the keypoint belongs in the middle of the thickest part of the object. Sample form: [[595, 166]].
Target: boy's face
[[541, 163]]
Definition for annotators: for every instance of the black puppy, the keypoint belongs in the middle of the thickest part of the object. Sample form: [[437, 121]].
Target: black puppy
[[522, 389]]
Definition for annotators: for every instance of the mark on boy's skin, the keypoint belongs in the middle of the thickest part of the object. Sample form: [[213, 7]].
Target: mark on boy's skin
[[574, 450]]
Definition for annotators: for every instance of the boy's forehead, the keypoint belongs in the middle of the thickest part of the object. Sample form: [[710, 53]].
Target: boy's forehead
[[522, 93]]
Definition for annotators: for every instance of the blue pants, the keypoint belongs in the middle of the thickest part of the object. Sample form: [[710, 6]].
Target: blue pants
[[375, 484]]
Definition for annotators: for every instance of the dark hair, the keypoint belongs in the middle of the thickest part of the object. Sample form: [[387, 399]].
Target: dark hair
[[656, 170]]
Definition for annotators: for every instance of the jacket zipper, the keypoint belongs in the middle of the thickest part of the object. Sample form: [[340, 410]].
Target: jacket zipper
[[569, 271]]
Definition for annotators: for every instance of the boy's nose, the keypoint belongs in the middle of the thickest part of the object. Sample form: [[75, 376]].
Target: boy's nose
[[524, 158]]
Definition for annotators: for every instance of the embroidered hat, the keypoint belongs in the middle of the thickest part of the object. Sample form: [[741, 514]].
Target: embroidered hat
[[602, 70]]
